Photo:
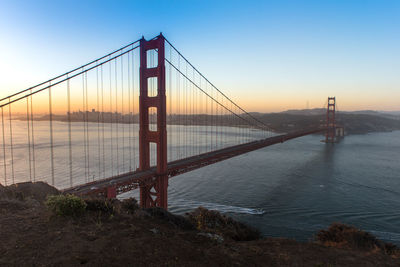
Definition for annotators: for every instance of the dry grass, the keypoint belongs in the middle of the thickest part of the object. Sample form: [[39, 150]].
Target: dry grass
[[212, 221], [345, 236]]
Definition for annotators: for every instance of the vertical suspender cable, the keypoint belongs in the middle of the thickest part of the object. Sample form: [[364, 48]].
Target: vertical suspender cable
[[178, 85], [11, 144], [220, 122], [4, 147], [129, 113], [116, 115], [223, 134], [217, 121], [234, 124], [69, 133], [111, 123], [133, 107], [208, 137], [87, 127], [33, 142], [98, 121], [193, 114], [102, 120], [186, 112], [29, 139], [169, 157], [191, 143], [84, 112], [201, 123], [51, 137], [212, 122], [122, 113]]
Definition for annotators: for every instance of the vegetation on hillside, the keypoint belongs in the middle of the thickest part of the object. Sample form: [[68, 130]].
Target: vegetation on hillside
[[64, 230]]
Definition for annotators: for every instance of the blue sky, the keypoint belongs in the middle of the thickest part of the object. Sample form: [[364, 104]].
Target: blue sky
[[266, 55]]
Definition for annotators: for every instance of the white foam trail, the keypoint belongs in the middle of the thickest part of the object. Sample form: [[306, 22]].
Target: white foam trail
[[180, 204]]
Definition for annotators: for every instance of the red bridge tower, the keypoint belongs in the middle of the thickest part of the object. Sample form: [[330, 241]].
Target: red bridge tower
[[154, 193]]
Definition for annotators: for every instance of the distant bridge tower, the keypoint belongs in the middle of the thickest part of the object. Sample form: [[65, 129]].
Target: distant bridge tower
[[330, 135], [154, 192]]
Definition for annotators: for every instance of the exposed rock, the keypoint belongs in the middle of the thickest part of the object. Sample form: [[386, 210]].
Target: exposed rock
[[211, 236], [154, 231]]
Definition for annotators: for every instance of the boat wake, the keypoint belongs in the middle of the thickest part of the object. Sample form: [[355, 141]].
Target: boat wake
[[182, 206]]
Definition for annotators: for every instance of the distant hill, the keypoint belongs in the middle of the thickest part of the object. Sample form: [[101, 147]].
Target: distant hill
[[318, 111], [314, 111], [395, 113], [355, 122], [387, 114]]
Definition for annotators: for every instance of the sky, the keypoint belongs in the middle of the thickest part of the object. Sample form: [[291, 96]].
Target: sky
[[268, 56]]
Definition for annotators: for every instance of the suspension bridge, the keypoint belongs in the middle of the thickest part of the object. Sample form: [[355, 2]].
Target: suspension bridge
[[129, 120]]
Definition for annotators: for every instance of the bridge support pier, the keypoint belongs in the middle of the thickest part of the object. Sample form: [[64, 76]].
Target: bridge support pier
[[111, 192], [154, 194]]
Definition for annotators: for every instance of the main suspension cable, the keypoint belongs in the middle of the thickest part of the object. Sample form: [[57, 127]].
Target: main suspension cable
[[213, 98], [69, 72], [216, 87]]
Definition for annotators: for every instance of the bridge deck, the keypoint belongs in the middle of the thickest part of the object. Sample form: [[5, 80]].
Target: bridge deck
[[132, 180]]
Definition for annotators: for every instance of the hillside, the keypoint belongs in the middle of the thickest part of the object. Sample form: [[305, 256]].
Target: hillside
[[114, 233], [354, 123]]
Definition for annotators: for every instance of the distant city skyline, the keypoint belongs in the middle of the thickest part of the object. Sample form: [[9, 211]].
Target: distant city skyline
[[268, 56]]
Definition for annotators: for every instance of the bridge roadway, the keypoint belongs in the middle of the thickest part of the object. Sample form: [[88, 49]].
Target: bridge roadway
[[132, 180]]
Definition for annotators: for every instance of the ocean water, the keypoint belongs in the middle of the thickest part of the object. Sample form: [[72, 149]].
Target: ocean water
[[98, 150], [296, 188]]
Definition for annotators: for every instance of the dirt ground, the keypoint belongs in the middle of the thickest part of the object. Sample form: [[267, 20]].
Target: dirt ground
[[30, 235]]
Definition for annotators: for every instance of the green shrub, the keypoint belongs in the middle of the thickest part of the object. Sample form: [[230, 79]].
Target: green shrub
[[101, 205], [347, 236], [130, 205], [342, 235], [66, 205], [212, 221]]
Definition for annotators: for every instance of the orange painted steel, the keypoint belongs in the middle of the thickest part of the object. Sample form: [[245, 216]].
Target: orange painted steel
[[153, 194]]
